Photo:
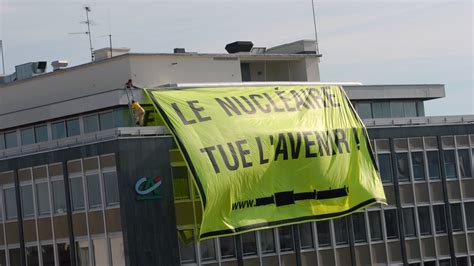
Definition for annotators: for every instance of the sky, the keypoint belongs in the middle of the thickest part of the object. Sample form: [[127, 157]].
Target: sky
[[369, 41]]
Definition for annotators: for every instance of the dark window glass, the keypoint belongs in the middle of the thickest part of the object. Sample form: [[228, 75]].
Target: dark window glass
[[440, 218], [424, 220], [42, 197], [111, 188], [391, 223], [402, 167], [385, 168], [227, 247], [59, 196], [464, 163], [48, 255], [10, 140], [450, 164], [27, 136], [410, 109], [2, 141], [93, 191], [180, 182], [32, 256], [324, 234], [245, 70], [418, 165], [469, 209], [64, 254], [306, 235], [462, 261], [375, 226], [106, 120], [27, 201], [409, 222], [10, 203], [456, 217], [77, 193], [58, 130], [249, 244], [445, 262], [433, 164], [208, 250], [397, 109], [15, 257], [3, 259], [285, 234], [73, 127], [420, 108], [340, 230], [91, 123], [187, 252], [358, 223], [267, 240], [381, 109], [82, 252], [364, 110], [41, 133]]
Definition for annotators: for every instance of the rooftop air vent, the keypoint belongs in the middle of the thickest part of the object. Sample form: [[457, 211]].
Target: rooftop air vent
[[29, 70], [59, 64], [239, 46]]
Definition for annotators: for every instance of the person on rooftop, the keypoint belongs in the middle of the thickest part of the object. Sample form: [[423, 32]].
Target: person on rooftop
[[138, 113]]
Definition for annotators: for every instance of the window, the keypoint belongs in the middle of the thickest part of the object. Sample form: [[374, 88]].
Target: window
[[41, 133], [93, 191], [186, 245], [77, 193], [464, 163], [111, 188], [180, 182], [397, 109], [91, 123], [58, 130], [391, 223], [64, 254], [42, 197], [2, 141], [3, 259], [402, 167], [27, 136], [440, 218], [48, 254], [227, 247], [381, 109], [59, 196], [358, 223], [100, 254], [433, 164], [340, 230], [15, 257], [10, 140], [249, 244], [10, 203], [208, 250], [306, 235], [73, 127], [285, 235], [456, 217], [82, 252], [469, 209], [267, 241], [27, 201], [424, 220], [324, 234], [375, 226], [118, 253], [418, 165], [364, 110], [32, 256], [450, 164], [420, 108], [106, 120], [409, 222], [410, 109], [385, 168]]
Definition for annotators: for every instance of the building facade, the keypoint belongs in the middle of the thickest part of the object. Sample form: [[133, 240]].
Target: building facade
[[80, 185]]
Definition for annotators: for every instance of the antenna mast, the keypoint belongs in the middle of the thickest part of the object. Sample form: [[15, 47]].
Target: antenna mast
[[88, 23], [315, 31]]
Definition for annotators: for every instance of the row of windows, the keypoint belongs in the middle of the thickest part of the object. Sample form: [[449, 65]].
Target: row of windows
[[270, 239], [48, 195], [386, 109], [426, 164], [60, 129]]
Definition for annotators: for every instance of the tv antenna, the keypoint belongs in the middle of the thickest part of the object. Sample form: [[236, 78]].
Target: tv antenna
[[88, 22], [110, 42]]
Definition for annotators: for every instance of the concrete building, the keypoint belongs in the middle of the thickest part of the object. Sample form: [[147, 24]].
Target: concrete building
[[70, 159]]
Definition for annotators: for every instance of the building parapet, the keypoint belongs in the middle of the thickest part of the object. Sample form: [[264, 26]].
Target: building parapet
[[417, 121]]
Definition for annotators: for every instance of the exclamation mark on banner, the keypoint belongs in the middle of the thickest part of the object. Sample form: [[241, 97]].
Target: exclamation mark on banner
[[356, 136]]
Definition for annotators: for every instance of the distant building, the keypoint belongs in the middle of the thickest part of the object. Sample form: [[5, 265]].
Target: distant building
[[71, 158]]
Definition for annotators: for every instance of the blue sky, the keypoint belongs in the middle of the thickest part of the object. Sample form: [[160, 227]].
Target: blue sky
[[374, 42]]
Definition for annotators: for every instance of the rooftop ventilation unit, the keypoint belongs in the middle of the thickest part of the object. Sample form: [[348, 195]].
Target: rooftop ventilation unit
[[59, 64], [28, 70], [239, 46], [179, 50]]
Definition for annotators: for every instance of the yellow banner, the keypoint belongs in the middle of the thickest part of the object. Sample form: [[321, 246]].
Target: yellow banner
[[268, 156]]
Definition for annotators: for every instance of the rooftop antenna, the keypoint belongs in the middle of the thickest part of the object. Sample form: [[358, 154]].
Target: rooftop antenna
[[315, 31], [110, 42], [88, 32]]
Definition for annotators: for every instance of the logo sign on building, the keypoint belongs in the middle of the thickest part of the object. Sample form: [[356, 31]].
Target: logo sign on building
[[148, 188], [269, 156]]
